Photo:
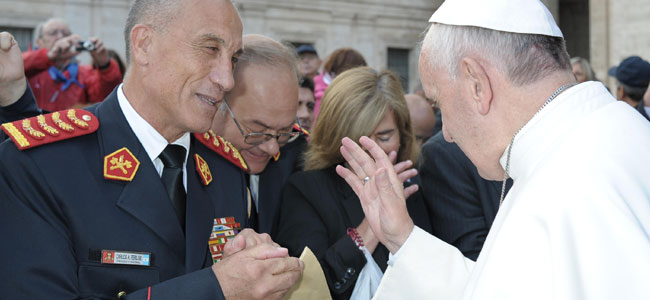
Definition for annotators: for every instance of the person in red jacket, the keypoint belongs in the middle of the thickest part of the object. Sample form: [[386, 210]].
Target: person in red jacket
[[57, 79]]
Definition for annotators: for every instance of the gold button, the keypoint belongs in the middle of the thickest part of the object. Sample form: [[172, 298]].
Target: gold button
[[121, 294]]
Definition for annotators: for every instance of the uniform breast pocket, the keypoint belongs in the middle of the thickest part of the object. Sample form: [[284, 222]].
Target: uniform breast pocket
[[106, 281]]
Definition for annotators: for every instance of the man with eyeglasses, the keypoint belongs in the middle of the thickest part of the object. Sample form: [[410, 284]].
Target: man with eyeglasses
[[56, 77], [258, 117]]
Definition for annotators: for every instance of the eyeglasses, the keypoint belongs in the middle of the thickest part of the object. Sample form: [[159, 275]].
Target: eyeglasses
[[257, 138]]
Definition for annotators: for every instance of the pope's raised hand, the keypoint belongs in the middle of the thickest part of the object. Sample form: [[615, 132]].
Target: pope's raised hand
[[382, 196]]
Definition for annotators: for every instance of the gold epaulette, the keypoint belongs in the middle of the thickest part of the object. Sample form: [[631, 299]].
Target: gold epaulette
[[298, 128], [50, 128], [222, 147]]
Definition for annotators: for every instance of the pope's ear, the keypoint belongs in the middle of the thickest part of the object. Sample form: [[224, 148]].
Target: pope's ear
[[479, 86], [141, 44]]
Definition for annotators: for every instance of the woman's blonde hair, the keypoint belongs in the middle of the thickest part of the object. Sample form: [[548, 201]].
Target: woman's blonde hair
[[353, 105]]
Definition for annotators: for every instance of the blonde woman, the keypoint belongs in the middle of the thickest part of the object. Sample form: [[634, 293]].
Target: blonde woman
[[318, 208]]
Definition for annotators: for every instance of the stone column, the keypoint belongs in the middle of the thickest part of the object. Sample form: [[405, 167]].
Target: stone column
[[599, 39]]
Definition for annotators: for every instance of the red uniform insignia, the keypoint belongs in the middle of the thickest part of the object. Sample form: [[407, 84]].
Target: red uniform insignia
[[222, 147], [294, 127], [120, 165], [50, 128], [203, 169], [299, 128], [108, 257]]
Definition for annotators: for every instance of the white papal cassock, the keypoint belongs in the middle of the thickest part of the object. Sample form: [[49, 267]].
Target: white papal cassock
[[575, 224]]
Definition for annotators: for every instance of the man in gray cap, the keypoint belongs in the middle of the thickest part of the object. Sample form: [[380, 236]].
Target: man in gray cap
[[575, 223], [632, 76]]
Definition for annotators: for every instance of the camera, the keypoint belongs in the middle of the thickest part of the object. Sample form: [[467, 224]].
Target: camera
[[85, 45]]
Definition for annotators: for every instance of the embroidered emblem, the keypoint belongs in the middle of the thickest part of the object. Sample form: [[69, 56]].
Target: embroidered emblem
[[215, 140], [224, 148], [298, 128], [223, 230], [226, 145], [27, 127], [49, 129], [72, 116], [120, 165], [45, 127], [56, 118], [203, 169]]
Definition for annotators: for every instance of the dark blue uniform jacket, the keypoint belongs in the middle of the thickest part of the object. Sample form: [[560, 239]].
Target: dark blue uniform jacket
[[58, 212]]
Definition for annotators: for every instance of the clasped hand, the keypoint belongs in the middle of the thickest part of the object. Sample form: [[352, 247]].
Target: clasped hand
[[255, 267]]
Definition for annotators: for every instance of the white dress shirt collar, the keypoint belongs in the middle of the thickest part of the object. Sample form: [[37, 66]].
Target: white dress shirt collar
[[152, 141]]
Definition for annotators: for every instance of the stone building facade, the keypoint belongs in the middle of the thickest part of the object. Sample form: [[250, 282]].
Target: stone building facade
[[386, 32]]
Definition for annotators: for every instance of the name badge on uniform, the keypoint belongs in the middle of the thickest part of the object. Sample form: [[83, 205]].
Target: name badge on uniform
[[126, 258]]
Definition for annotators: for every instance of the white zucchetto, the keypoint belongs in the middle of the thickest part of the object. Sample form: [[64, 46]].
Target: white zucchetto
[[518, 16]]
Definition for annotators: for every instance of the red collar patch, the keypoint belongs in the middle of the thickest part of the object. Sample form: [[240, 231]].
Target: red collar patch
[[203, 169], [120, 165], [222, 147]]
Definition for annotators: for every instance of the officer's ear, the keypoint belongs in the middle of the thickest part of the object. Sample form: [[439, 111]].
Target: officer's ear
[[477, 81], [141, 41]]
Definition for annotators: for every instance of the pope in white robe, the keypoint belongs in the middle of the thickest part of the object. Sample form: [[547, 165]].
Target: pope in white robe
[[576, 222]]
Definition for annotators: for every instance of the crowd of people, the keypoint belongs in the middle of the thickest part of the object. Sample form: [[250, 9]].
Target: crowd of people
[[202, 167]]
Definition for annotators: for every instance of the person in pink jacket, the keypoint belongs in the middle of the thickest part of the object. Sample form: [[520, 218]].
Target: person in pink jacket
[[336, 63]]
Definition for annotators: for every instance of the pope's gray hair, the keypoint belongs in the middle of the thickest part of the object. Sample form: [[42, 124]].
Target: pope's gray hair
[[525, 58]]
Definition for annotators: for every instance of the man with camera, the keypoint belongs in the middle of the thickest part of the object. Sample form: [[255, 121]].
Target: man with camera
[[57, 79]]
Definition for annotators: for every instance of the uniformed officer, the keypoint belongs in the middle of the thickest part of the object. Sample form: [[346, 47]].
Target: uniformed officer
[[121, 200]]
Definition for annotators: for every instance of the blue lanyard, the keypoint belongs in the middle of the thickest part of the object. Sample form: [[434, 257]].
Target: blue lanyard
[[57, 75]]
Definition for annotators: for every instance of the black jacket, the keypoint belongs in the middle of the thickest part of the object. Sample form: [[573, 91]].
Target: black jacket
[[462, 205], [317, 209]]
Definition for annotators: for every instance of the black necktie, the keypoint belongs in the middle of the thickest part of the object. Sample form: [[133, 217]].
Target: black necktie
[[172, 176], [253, 218]]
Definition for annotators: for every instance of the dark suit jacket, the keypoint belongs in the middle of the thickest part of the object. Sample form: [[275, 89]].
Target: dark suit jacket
[[316, 210], [273, 179], [462, 205], [58, 211]]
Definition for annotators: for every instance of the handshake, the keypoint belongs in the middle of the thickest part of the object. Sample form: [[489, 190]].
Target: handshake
[[255, 267]]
